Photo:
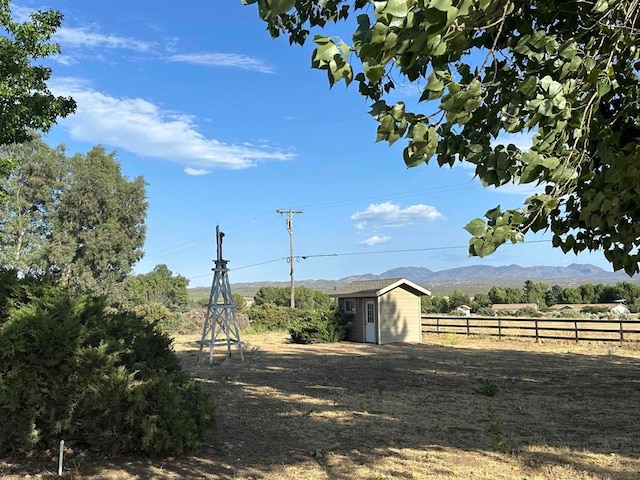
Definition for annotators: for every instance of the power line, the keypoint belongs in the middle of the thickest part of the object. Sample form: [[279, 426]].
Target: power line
[[407, 250], [190, 245], [261, 263], [253, 227], [241, 268], [168, 250], [377, 252]]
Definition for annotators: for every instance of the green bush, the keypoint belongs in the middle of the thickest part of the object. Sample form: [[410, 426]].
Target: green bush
[[318, 326], [240, 302], [486, 387], [109, 382], [594, 309], [156, 313], [270, 317], [529, 312]]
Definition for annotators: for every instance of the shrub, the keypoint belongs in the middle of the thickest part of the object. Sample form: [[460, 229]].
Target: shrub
[[270, 317], [240, 302], [318, 326], [486, 387], [529, 312], [156, 313], [108, 381], [594, 309]]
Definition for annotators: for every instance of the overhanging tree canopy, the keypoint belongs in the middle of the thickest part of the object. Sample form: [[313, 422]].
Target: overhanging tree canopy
[[566, 71], [26, 103]]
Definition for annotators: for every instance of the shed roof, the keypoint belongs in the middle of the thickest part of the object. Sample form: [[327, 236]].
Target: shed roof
[[375, 288]]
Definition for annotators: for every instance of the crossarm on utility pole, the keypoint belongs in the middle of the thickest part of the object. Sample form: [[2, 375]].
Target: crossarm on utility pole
[[289, 224]]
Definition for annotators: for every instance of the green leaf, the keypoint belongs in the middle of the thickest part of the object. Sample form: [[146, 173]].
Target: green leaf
[[279, 7], [374, 72], [601, 6], [476, 227], [569, 50], [442, 5], [418, 132], [603, 88], [435, 86], [494, 214], [397, 8], [550, 86]]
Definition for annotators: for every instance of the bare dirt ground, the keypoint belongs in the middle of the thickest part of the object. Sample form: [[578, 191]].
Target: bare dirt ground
[[353, 411]]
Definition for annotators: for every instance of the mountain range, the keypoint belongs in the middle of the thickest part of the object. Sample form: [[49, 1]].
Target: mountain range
[[424, 275], [473, 279]]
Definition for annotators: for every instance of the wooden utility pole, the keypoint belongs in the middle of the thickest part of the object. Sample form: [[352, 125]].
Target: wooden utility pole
[[290, 214]]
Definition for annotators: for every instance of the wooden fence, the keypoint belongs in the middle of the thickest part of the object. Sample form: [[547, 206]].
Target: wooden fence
[[536, 328]]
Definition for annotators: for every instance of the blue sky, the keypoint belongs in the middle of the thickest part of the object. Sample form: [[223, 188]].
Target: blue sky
[[227, 126]]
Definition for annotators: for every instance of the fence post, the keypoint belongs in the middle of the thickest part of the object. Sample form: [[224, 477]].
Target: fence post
[[621, 333], [468, 331], [575, 326], [536, 324], [438, 325], [499, 328]]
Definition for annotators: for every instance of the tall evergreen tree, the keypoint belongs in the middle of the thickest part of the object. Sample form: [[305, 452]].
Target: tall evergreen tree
[[32, 193], [78, 220], [98, 231]]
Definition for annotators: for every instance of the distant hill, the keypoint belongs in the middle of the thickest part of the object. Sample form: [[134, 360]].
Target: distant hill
[[573, 271], [480, 278], [473, 279]]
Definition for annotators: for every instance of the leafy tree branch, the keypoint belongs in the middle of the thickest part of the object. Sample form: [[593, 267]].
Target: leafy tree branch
[[565, 72]]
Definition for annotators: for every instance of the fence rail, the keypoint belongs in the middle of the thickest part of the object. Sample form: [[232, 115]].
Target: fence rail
[[536, 328]]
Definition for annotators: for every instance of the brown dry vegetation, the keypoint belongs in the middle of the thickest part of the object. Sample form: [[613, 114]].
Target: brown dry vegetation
[[353, 411]]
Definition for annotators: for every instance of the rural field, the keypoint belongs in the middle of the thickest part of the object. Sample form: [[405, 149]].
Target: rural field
[[450, 408]]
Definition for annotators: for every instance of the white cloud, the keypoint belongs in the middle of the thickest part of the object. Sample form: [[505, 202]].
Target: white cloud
[[20, 13], [86, 37], [196, 172], [390, 214], [375, 240], [90, 38], [361, 225], [144, 128], [65, 60], [232, 60]]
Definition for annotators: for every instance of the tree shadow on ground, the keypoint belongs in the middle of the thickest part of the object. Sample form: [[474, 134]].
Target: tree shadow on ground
[[356, 411]]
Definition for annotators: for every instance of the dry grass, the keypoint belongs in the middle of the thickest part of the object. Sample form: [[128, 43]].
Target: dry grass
[[352, 411]]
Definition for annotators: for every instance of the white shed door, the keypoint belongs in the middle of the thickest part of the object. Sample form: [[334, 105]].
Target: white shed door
[[370, 322]]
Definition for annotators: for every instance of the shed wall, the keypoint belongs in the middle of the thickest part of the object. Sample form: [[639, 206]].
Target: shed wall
[[400, 319], [356, 332]]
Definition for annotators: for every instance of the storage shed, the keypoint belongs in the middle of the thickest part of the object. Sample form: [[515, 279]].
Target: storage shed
[[382, 311]]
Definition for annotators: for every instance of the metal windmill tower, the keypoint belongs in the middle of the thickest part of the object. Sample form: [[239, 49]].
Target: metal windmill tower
[[220, 323]]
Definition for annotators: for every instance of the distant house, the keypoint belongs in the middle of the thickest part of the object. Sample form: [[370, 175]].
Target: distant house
[[464, 310], [615, 308], [382, 311], [513, 307]]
